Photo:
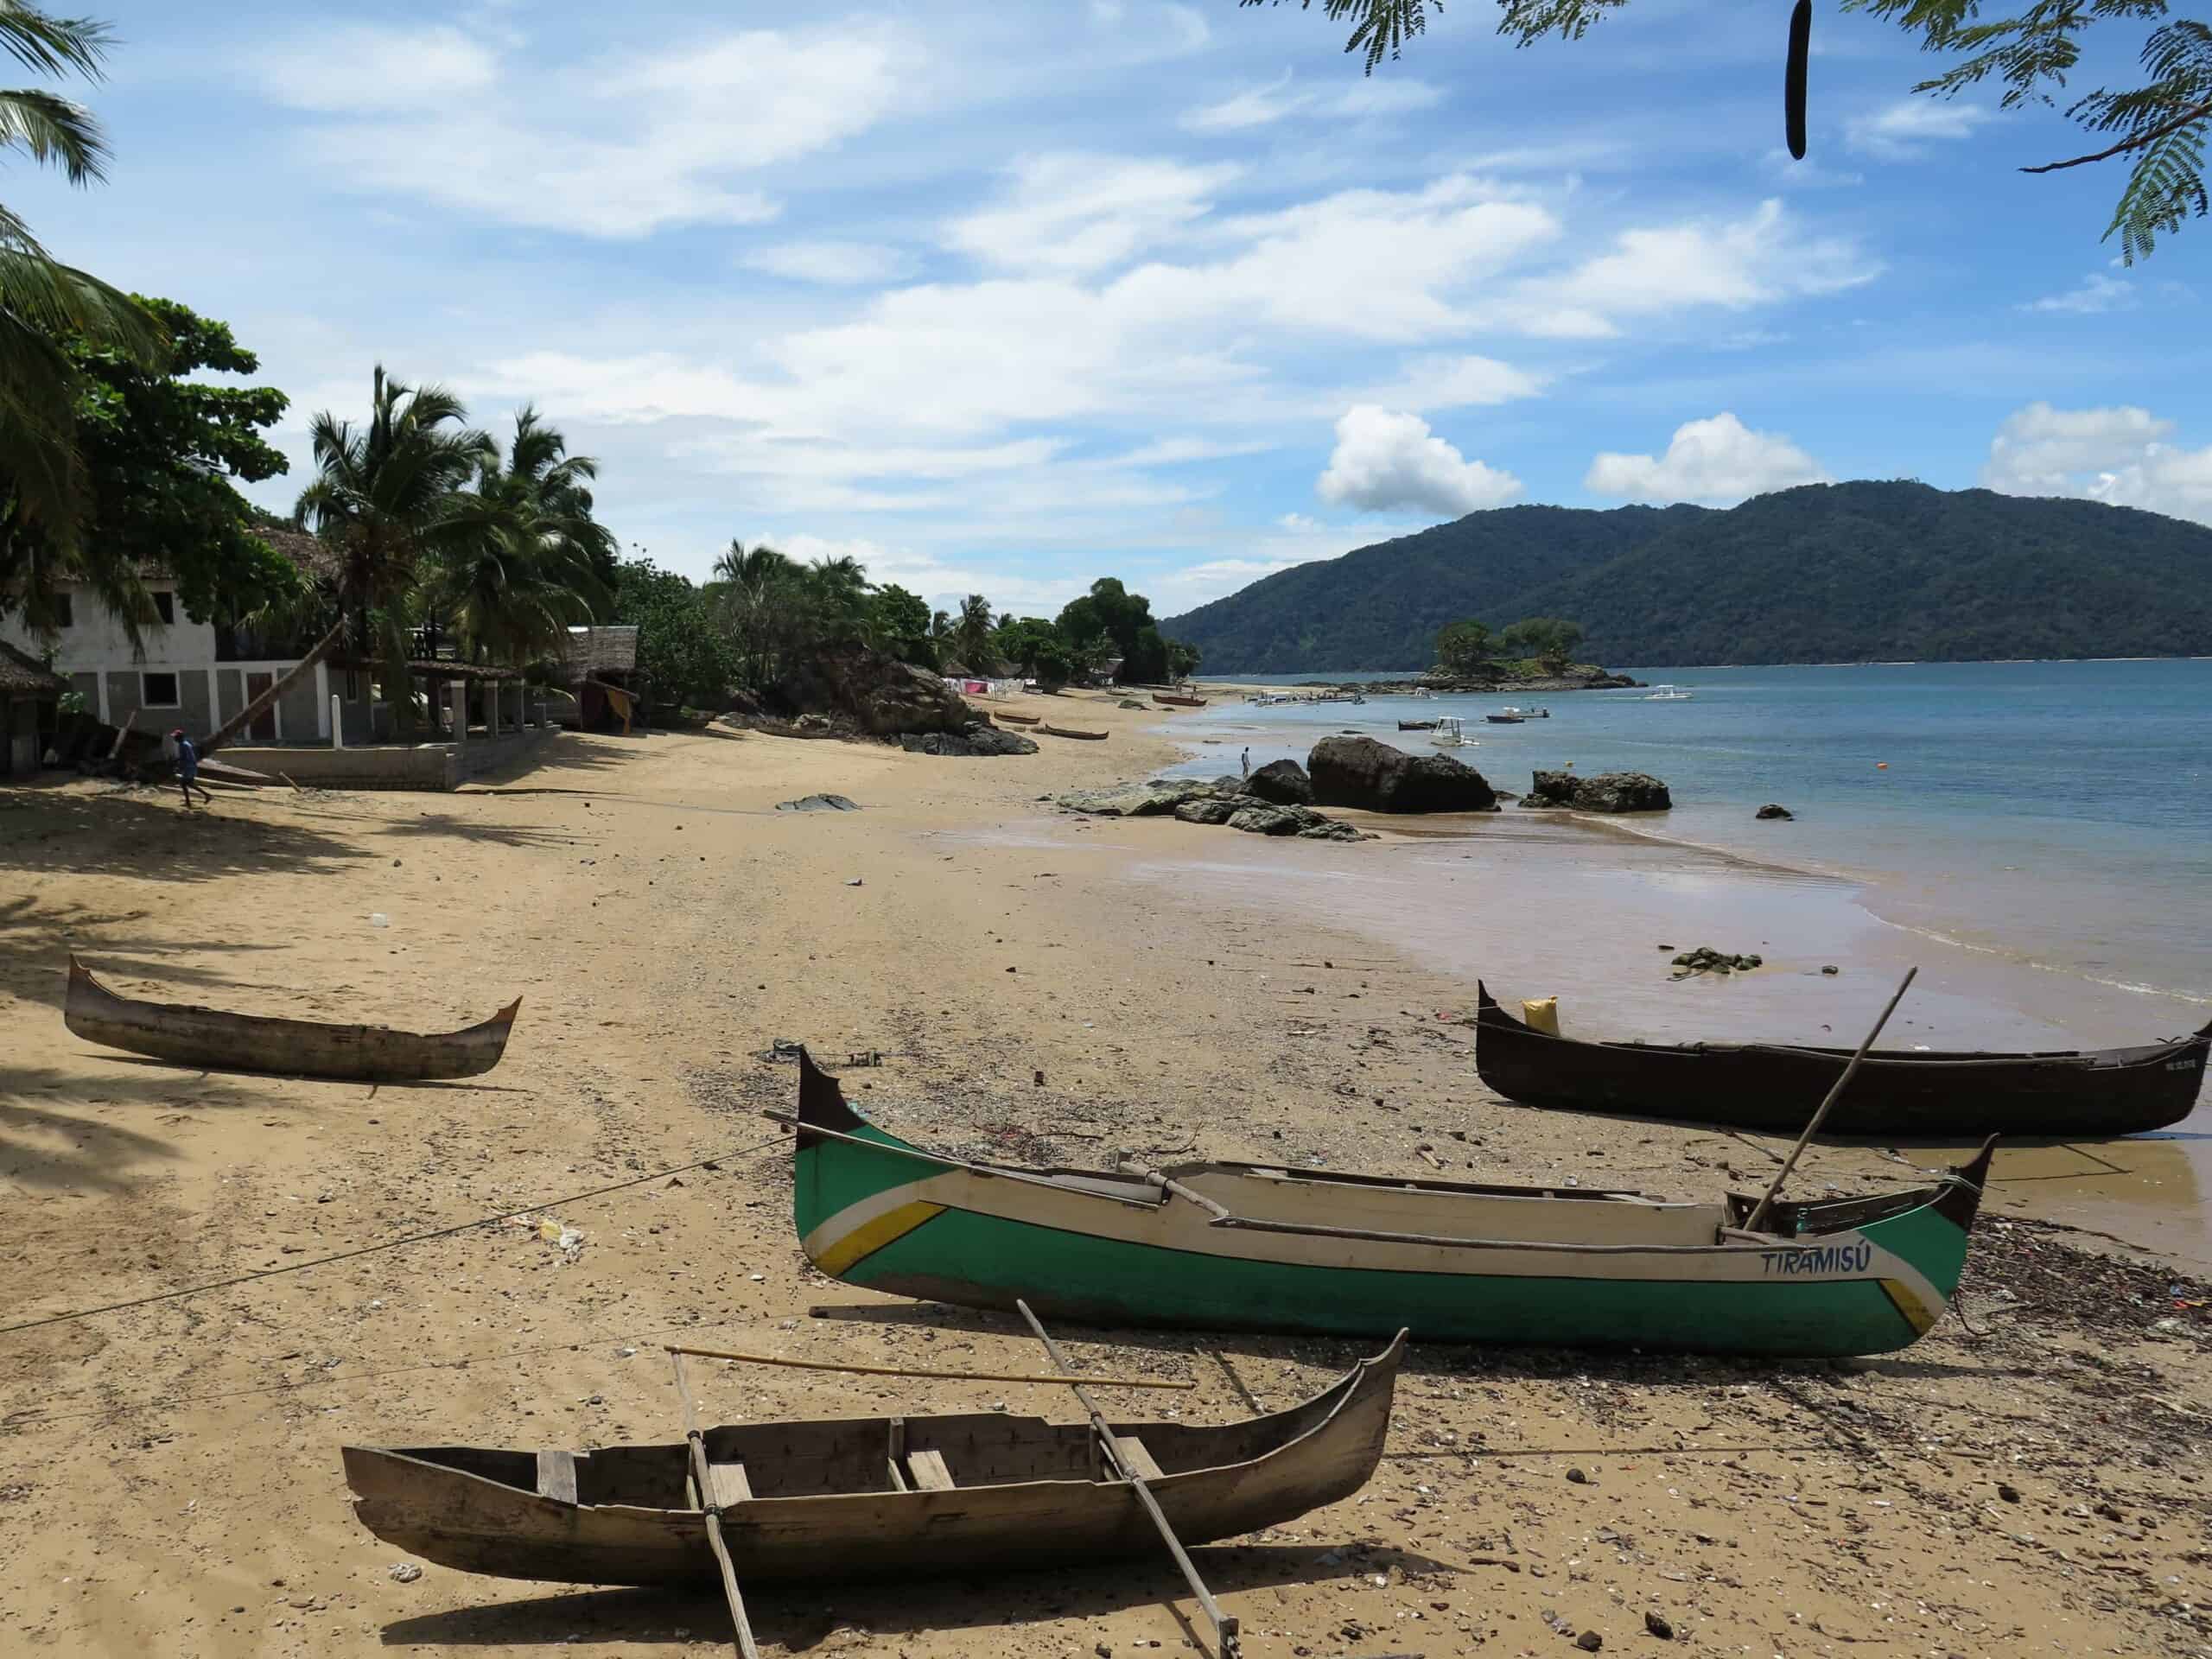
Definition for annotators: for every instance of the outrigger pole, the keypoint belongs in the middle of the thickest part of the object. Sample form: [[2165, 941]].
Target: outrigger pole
[[1225, 1625]]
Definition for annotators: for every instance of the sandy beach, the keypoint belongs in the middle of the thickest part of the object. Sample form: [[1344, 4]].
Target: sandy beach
[[1041, 988]]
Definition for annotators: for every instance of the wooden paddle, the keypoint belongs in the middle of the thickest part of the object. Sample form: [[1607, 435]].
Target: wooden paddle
[[1766, 1200], [704, 1480]]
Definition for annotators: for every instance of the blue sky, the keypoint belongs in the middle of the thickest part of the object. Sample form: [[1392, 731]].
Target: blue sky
[[1003, 297]]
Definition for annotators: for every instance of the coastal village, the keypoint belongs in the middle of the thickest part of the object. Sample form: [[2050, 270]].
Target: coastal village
[[552, 1098]]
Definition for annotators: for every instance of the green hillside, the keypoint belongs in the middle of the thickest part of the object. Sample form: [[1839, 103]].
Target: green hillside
[[1825, 573]]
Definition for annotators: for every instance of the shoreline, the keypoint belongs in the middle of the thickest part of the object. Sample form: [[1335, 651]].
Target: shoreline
[[1043, 989]]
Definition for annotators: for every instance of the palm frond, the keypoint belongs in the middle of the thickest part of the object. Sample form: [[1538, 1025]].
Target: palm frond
[[54, 130], [53, 46]]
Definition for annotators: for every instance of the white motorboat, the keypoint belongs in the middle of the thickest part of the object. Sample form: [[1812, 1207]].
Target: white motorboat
[[1450, 734], [1668, 694]]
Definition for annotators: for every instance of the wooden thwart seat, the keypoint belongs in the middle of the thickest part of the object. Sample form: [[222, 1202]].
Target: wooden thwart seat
[[731, 1487], [557, 1475], [929, 1472], [1139, 1459]]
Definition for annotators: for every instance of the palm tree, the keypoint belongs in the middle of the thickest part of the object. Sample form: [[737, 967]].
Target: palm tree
[[971, 634], [839, 588], [383, 499], [43, 304], [520, 562], [761, 606]]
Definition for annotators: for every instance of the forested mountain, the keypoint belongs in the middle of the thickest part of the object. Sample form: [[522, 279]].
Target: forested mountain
[[1825, 573]]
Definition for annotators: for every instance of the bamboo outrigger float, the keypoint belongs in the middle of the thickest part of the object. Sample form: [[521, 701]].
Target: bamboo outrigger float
[[870, 1496], [1250, 1247], [1897, 1092], [210, 1039]]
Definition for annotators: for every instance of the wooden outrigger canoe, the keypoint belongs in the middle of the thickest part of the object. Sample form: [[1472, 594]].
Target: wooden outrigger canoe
[[1068, 731], [1179, 702], [1251, 1247], [1014, 719], [1897, 1092], [210, 1039], [870, 1496]]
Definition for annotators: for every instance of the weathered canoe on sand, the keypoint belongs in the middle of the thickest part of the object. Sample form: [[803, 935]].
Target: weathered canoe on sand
[[1179, 702], [1309, 1250], [210, 1039], [870, 1496], [1068, 731], [1904, 1093], [1015, 719]]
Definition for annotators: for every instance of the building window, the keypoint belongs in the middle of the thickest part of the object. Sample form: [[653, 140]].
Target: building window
[[158, 691], [64, 615], [165, 608]]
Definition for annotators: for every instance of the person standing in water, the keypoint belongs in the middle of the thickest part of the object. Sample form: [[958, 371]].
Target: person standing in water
[[1248, 761], [187, 769]]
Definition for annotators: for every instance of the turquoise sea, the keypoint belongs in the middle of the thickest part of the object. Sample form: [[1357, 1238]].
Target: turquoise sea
[[2059, 814]]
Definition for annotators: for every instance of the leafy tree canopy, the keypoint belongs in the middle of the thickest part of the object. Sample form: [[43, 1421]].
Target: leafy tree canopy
[[2158, 128], [899, 622], [1464, 646], [159, 446], [680, 643]]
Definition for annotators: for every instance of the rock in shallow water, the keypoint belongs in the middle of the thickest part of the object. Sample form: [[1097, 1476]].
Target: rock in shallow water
[[1283, 782], [1363, 772], [1606, 791]]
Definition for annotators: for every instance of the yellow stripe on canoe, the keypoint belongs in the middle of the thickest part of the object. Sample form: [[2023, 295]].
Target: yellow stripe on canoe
[[870, 1236], [1917, 1313]]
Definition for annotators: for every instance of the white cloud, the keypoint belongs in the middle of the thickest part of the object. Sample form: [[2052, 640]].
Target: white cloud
[[1069, 212], [1456, 383], [2098, 292], [1260, 106], [831, 264], [367, 69], [1387, 459], [623, 147], [1751, 261], [1720, 461], [1902, 131], [2117, 456]]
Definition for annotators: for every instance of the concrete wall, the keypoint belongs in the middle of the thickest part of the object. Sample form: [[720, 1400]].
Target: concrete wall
[[428, 766], [193, 711]]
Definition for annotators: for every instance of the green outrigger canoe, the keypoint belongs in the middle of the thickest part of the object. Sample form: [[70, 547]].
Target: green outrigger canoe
[[1248, 1247]]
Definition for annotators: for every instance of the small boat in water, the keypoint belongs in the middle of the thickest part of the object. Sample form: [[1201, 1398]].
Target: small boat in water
[[1915, 1093], [1416, 725], [1068, 731], [1268, 1247], [1505, 717], [870, 1496], [210, 1039], [1668, 694], [1451, 734]]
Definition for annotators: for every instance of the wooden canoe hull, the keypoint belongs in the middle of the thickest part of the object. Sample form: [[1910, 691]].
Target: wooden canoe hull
[[1448, 1261], [1220, 1483], [1179, 702], [1903, 1093], [210, 1039], [1015, 719], [1068, 731]]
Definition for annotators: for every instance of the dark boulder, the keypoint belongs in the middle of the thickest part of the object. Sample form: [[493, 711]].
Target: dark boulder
[[1283, 782], [1770, 811], [819, 804], [1606, 791], [1264, 818], [976, 739], [882, 695], [1207, 809], [1363, 772]]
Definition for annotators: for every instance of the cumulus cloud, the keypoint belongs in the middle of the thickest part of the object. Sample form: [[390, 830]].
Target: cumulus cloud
[[1074, 213], [1902, 131], [2097, 292], [1260, 106], [1719, 461], [619, 146], [1732, 263], [830, 265], [2118, 455], [1388, 459]]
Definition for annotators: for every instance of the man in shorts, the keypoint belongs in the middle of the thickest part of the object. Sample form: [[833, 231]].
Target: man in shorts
[[187, 769]]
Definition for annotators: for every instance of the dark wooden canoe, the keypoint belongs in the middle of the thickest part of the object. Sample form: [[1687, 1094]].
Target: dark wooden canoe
[[1068, 731], [1014, 719], [1416, 725], [1897, 1092], [210, 1039], [872, 1496], [1179, 702]]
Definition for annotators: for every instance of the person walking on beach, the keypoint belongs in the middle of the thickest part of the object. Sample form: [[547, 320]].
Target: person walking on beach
[[1248, 761], [187, 769]]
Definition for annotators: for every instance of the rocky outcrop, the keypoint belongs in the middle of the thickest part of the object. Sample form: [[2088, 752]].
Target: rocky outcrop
[[1155, 799], [1770, 811], [1707, 960], [1210, 808], [977, 740], [882, 695], [1363, 772], [1605, 792], [1196, 800], [1265, 819], [1283, 782], [819, 804]]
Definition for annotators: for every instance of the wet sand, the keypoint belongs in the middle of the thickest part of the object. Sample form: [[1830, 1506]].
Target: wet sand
[[169, 1474]]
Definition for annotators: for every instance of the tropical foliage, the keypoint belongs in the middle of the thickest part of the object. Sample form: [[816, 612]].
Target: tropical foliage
[[1825, 573], [157, 447], [2158, 128], [49, 311]]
